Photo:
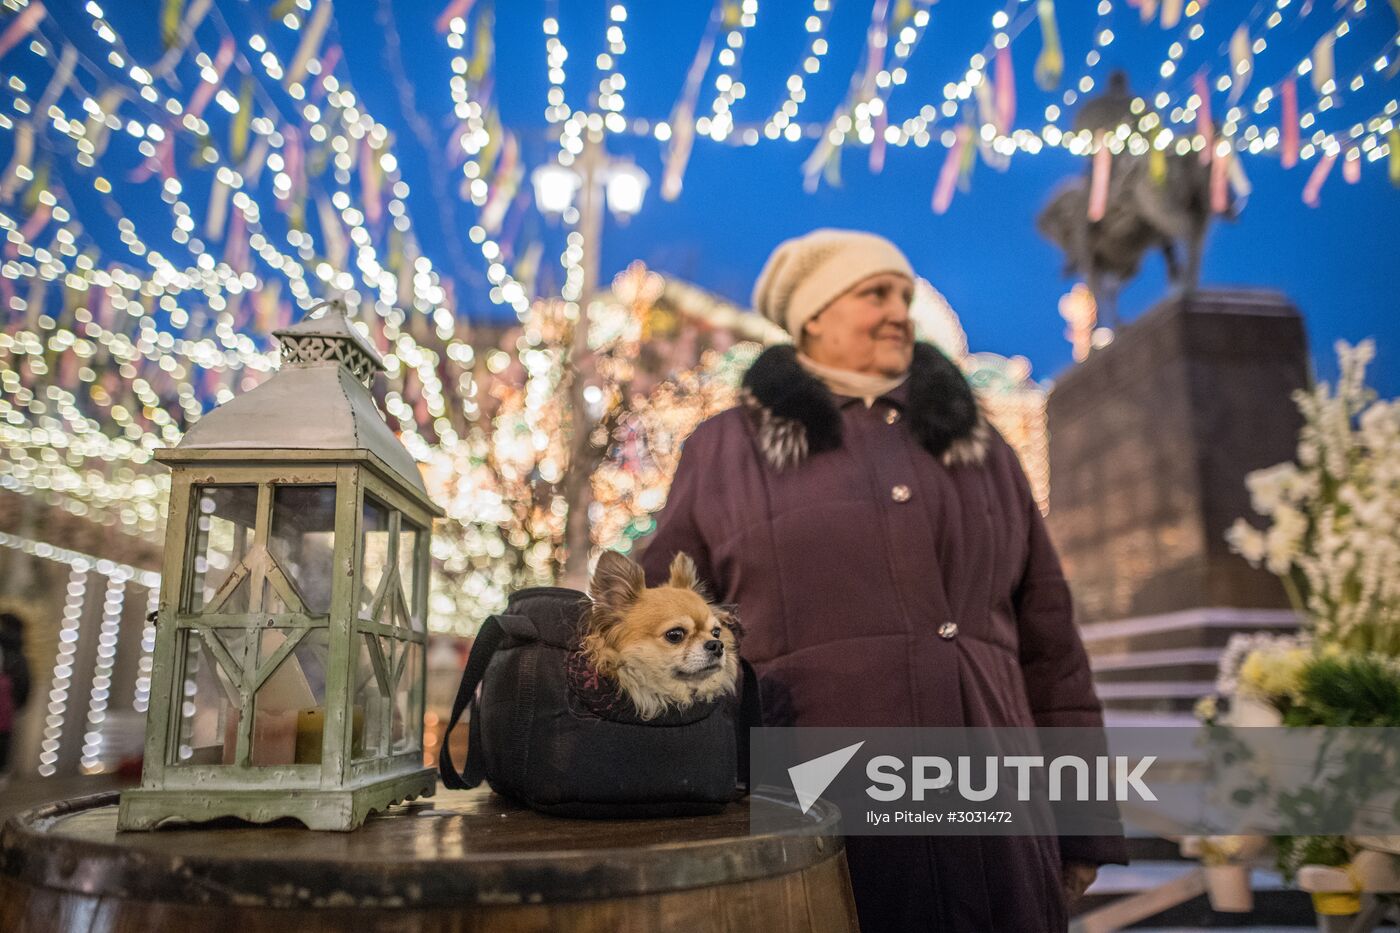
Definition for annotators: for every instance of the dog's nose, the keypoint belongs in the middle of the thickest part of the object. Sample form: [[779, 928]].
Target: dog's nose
[[714, 646]]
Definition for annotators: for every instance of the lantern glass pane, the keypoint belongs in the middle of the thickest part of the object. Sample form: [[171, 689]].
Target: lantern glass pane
[[369, 703], [374, 547], [408, 720], [302, 542], [290, 706], [207, 714], [223, 535], [408, 571]]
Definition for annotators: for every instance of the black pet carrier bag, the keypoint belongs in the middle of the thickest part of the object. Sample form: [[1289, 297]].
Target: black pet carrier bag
[[548, 734]]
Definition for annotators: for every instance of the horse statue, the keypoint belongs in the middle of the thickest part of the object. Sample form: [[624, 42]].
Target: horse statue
[[1171, 212]]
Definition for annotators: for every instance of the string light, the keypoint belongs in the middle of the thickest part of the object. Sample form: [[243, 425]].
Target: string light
[[1103, 36], [1007, 24], [556, 54], [612, 83], [1306, 118], [1186, 113], [810, 65], [357, 124], [141, 699], [249, 356], [728, 86], [1331, 144], [102, 671], [63, 668], [475, 138], [872, 113], [1192, 30]]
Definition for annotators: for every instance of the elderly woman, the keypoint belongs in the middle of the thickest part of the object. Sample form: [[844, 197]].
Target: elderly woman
[[891, 568]]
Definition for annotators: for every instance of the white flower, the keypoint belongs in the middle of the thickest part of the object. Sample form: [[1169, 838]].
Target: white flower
[[1247, 541], [1283, 539], [1335, 514], [1269, 488], [1241, 645]]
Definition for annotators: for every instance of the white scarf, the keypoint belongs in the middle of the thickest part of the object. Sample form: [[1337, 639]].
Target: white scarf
[[863, 386]]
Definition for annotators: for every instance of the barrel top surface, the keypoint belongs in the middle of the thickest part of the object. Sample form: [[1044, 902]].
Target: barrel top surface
[[459, 847]]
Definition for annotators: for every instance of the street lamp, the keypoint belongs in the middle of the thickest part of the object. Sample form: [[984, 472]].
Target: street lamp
[[592, 177], [555, 187], [626, 186]]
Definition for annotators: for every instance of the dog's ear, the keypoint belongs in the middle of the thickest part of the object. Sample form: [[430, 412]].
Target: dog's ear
[[683, 573], [617, 582], [728, 616]]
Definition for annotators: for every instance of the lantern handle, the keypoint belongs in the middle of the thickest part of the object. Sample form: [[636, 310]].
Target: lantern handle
[[318, 309]]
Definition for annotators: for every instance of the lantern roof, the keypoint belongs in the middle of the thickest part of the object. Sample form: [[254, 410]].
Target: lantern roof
[[319, 399], [327, 333]]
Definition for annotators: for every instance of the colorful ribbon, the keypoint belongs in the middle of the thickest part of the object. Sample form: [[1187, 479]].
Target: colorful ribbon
[[1322, 61], [1006, 91], [948, 175], [1319, 175], [1204, 124], [1289, 128], [1241, 62], [21, 26], [1099, 177], [453, 10], [1051, 62]]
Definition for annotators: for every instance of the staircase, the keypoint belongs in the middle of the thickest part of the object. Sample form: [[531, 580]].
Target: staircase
[[1149, 672]]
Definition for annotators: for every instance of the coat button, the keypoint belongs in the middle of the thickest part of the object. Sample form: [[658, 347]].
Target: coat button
[[900, 493], [948, 630], [891, 416]]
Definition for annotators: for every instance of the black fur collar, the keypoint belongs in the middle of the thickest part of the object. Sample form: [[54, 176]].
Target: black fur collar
[[796, 414]]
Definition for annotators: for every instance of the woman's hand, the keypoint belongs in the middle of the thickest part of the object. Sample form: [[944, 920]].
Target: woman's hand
[[1077, 876]]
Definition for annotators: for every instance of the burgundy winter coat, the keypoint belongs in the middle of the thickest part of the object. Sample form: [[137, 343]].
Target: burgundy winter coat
[[891, 568]]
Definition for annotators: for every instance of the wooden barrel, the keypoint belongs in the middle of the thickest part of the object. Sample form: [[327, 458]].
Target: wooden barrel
[[462, 861]]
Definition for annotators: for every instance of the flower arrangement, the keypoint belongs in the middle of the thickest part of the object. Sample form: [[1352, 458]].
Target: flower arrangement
[[1257, 670], [1332, 536]]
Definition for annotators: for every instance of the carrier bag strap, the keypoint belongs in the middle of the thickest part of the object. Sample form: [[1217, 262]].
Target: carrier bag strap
[[750, 717], [483, 648]]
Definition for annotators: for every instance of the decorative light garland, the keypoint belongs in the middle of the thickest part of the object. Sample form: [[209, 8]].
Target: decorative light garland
[[1186, 113], [1308, 117], [141, 699], [63, 668], [112, 602], [556, 54], [1103, 38], [1007, 24], [740, 16], [612, 83], [80, 565], [810, 64], [244, 204]]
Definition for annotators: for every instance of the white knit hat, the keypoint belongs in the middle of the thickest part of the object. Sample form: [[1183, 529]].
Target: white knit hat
[[807, 273]]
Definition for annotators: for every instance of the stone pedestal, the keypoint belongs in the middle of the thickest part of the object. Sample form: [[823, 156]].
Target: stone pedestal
[[1150, 441]]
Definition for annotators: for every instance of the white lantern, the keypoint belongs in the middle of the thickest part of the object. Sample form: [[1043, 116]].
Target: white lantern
[[555, 186], [627, 186]]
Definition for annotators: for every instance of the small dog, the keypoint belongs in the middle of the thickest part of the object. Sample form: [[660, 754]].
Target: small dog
[[666, 647]]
